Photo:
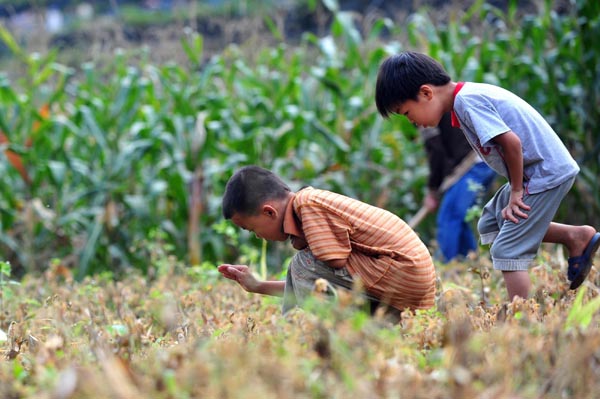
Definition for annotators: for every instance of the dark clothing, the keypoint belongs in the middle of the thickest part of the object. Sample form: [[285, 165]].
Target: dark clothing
[[446, 147], [459, 178]]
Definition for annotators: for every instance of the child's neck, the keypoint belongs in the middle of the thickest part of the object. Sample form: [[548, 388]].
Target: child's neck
[[447, 93]]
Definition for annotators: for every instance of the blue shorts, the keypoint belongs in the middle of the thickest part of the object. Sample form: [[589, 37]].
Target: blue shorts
[[515, 245]]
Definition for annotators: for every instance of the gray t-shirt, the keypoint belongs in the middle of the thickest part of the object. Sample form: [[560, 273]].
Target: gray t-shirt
[[486, 111]]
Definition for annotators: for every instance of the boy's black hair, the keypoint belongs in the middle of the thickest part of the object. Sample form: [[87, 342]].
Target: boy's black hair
[[401, 76], [249, 188]]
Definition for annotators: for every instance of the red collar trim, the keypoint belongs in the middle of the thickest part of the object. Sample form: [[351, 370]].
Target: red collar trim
[[455, 121]]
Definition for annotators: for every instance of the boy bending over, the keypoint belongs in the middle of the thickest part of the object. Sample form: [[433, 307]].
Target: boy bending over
[[515, 141], [338, 239]]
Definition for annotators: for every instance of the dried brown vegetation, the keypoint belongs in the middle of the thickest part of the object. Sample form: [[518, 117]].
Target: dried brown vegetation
[[188, 335]]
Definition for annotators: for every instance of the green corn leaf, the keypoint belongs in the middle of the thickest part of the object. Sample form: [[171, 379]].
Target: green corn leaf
[[330, 136], [11, 43]]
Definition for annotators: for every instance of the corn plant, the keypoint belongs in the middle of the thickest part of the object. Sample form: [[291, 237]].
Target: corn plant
[[130, 151]]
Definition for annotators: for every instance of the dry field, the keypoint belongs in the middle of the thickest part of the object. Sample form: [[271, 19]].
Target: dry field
[[185, 333]]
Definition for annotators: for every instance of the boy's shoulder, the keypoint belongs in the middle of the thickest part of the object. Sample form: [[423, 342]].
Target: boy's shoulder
[[310, 196], [473, 95], [484, 88], [305, 192]]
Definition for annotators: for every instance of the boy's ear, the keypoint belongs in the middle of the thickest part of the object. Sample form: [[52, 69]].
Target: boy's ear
[[269, 210], [426, 91]]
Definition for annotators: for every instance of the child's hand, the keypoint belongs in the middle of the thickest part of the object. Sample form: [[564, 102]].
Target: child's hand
[[431, 201], [241, 274], [515, 207]]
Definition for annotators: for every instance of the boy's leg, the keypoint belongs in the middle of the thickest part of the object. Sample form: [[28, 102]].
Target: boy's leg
[[582, 242], [515, 245], [574, 238], [517, 283], [302, 273]]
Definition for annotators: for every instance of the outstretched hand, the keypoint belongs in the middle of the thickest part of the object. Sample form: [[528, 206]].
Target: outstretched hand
[[515, 207], [240, 274]]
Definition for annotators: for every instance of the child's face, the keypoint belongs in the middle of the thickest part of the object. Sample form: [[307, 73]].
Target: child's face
[[425, 111], [267, 225]]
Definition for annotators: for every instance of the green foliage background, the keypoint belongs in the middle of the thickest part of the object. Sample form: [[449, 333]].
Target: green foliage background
[[135, 155]]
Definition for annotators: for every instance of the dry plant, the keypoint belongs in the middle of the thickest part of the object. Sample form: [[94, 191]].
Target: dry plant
[[186, 335]]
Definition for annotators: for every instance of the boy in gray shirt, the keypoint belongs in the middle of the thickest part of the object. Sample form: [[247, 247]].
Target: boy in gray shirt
[[515, 141]]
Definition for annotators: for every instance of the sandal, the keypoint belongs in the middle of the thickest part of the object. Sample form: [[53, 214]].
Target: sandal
[[580, 266]]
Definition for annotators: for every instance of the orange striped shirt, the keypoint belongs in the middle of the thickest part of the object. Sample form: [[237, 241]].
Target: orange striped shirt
[[379, 247]]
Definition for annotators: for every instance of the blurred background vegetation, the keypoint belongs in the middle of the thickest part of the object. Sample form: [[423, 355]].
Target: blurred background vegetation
[[122, 121]]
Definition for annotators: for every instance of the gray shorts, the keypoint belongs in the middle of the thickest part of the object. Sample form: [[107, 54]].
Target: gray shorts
[[515, 245], [302, 273]]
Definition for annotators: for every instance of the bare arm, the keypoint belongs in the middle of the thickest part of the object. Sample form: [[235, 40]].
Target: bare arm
[[513, 157], [244, 277]]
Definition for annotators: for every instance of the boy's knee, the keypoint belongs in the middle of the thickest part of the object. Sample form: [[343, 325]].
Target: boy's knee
[[480, 226], [498, 250], [494, 251], [501, 250]]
